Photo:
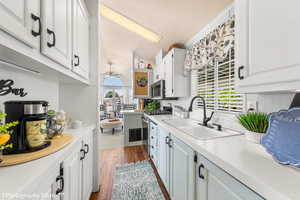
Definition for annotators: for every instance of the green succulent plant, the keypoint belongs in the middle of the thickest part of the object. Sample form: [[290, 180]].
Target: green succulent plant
[[255, 122]]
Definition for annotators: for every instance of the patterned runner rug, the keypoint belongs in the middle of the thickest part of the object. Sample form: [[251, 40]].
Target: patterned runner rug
[[136, 181]]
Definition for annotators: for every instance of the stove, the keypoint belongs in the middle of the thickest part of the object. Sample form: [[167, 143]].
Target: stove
[[158, 112]]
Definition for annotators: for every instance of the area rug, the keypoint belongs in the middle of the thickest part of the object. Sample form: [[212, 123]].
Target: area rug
[[136, 181]]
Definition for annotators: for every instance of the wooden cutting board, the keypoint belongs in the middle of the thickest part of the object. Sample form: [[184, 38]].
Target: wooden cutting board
[[56, 145]]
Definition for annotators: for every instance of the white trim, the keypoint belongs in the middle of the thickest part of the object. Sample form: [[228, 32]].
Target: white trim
[[220, 19]]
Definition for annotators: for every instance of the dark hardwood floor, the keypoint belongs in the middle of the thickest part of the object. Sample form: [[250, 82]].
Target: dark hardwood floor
[[118, 156]]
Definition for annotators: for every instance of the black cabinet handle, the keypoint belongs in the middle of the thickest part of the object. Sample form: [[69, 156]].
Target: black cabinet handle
[[152, 137], [62, 184], [152, 147], [167, 139], [201, 166], [170, 143], [78, 60], [36, 18], [87, 148], [239, 72], [54, 38], [82, 153]]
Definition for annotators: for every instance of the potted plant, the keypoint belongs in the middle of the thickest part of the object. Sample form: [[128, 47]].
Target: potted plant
[[5, 133], [256, 125]]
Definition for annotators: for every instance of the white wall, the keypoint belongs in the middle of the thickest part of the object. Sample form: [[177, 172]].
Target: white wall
[[38, 87]]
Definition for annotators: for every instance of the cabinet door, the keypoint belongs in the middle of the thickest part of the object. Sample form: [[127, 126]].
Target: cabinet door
[[241, 37], [80, 39], [73, 175], [56, 36], [153, 143], [168, 68], [164, 156], [181, 82], [266, 45], [214, 183], [182, 171], [273, 35], [21, 19], [87, 168]]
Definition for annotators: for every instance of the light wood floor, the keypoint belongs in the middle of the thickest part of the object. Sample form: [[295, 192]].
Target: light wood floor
[[113, 157]]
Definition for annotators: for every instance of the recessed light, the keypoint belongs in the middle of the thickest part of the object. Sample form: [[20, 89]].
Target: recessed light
[[129, 24]]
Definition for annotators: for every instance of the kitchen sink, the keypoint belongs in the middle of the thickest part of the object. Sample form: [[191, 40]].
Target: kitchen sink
[[198, 131], [181, 123]]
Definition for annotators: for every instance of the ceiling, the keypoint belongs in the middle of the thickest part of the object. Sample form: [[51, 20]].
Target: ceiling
[[176, 21]]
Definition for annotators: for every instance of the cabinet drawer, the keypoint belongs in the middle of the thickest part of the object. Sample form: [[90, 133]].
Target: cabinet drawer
[[153, 142]]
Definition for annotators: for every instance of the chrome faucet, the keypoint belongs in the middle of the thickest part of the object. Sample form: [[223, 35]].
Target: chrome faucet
[[205, 118]]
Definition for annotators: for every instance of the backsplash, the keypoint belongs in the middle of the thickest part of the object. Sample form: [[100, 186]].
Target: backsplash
[[38, 87], [265, 102]]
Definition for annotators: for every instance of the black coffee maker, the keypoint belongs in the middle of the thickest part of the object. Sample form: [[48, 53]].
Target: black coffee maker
[[30, 134]]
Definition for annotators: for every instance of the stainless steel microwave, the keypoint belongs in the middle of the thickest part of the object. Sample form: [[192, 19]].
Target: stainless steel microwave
[[158, 89]]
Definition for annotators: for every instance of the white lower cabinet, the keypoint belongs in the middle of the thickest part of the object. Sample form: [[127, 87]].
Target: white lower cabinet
[[176, 166], [73, 176], [182, 170], [87, 167], [215, 184], [164, 156]]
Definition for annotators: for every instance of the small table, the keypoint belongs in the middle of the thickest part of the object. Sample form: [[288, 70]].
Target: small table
[[111, 123]]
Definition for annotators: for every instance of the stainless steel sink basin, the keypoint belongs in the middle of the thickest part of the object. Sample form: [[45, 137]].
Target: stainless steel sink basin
[[199, 132]]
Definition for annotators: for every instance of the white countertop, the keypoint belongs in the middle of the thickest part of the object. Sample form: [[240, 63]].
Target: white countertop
[[246, 161], [20, 178], [133, 112]]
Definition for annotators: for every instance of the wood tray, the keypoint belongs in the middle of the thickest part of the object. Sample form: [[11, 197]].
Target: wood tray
[[56, 144]]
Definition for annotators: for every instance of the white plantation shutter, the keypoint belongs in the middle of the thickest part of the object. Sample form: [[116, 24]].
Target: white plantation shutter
[[217, 85], [206, 86]]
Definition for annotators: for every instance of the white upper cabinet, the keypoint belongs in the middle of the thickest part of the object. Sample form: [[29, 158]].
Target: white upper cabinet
[[80, 39], [56, 36], [267, 43], [177, 84], [159, 72], [21, 19], [168, 66]]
